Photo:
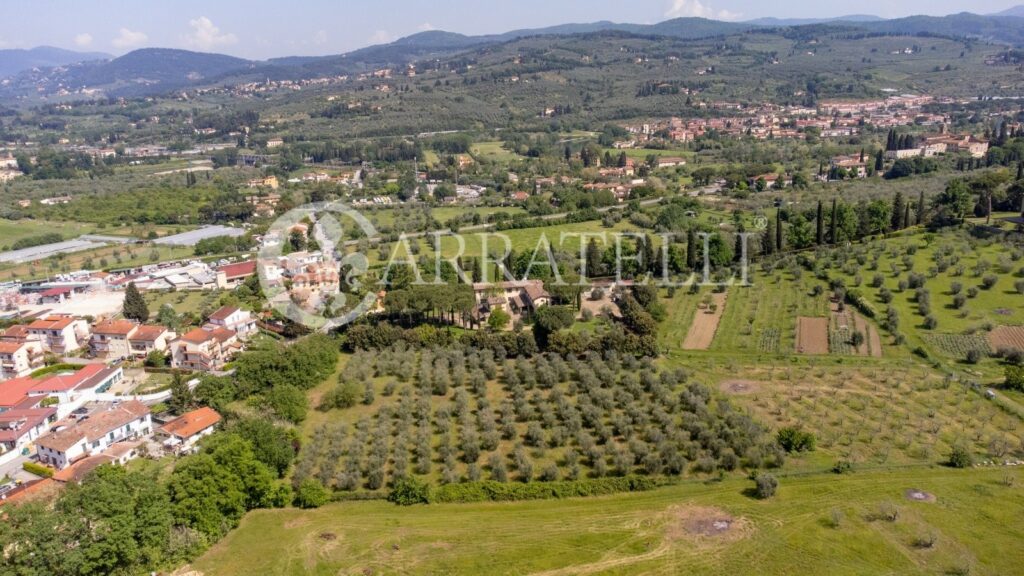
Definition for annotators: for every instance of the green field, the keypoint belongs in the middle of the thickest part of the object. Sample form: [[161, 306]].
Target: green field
[[815, 525], [493, 151], [13, 230]]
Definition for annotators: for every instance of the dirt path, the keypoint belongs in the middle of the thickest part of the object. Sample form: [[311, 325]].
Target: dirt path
[[872, 345], [705, 324]]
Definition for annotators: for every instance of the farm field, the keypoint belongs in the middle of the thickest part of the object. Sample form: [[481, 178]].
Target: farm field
[[113, 256], [492, 151], [815, 525], [705, 322]]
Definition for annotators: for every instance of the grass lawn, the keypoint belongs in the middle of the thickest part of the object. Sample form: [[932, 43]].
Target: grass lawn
[[491, 151], [814, 525], [13, 230], [192, 301]]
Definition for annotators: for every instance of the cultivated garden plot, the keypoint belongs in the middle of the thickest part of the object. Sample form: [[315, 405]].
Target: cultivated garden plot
[[812, 335]]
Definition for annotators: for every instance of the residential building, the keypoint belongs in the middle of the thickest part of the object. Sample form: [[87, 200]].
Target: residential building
[[95, 433], [204, 349], [518, 298], [19, 428], [185, 431], [73, 389], [231, 275], [20, 358], [149, 338], [235, 319], [59, 334], [14, 392], [110, 338]]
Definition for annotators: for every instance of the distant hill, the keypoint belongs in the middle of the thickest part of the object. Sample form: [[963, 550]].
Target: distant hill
[[1003, 29], [16, 60], [777, 22], [1015, 11]]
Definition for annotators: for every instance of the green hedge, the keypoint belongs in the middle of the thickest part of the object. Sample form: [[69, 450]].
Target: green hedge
[[37, 469], [490, 491], [57, 368]]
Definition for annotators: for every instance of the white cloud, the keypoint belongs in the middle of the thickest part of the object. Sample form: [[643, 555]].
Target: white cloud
[[426, 27], [84, 39], [380, 37], [205, 35], [696, 8], [320, 37], [128, 39]]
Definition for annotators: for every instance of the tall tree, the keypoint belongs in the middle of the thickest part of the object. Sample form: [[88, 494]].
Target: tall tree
[[897, 211], [879, 162], [769, 237], [833, 229], [134, 307], [919, 215], [819, 222], [778, 230], [691, 248]]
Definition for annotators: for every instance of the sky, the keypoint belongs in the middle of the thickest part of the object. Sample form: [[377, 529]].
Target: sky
[[260, 29]]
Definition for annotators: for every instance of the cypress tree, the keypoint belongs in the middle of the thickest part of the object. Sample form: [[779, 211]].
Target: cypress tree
[[906, 216], [691, 248], [879, 162], [897, 211], [1020, 170], [834, 229], [134, 307], [768, 244], [820, 228], [920, 208], [778, 230]]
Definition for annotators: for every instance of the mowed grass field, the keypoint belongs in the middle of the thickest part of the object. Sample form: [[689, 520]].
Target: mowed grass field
[[814, 525], [13, 230], [493, 151]]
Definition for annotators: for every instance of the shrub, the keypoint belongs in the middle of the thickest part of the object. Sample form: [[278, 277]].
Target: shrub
[[973, 356], [1014, 377], [1019, 286], [311, 494], [37, 469], [972, 292], [931, 322], [989, 281], [961, 457], [1011, 355], [793, 439], [842, 467], [959, 300], [486, 491], [766, 485], [409, 491]]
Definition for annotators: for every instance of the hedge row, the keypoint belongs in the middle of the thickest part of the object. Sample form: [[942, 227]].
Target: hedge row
[[37, 469], [490, 491]]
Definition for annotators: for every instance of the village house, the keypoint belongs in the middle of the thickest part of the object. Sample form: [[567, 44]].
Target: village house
[[670, 161], [204, 349], [20, 427], [110, 338], [20, 358], [182, 433], [235, 319], [94, 433], [518, 298], [59, 334], [148, 338], [14, 393], [853, 165]]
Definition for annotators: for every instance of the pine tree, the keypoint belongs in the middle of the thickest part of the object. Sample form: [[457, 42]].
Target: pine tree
[[134, 307], [919, 217], [820, 225], [897, 211], [834, 228]]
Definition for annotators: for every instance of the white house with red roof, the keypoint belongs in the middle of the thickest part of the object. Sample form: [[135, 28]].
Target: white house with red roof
[[205, 349], [184, 432], [20, 358], [74, 389], [231, 275], [19, 428], [95, 433], [59, 334], [149, 338], [233, 318], [110, 338]]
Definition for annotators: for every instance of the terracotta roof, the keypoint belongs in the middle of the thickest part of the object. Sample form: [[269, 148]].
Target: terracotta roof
[[55, 292], [52, 323], [18, 331], [223, 334], [238, 269], [191, 423], [95, 426], [14, 390], [31, 416], [65, 382], [197, 336], [115, 327], [223, 313], [11, 347], [148, 333], [79, 470]]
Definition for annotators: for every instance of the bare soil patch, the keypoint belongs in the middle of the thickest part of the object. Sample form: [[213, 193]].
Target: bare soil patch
[[739, 387], [812, 335], [705, 523], [872, 345], [705, 324], [327, 536], [915, 495], [1007, 337]]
